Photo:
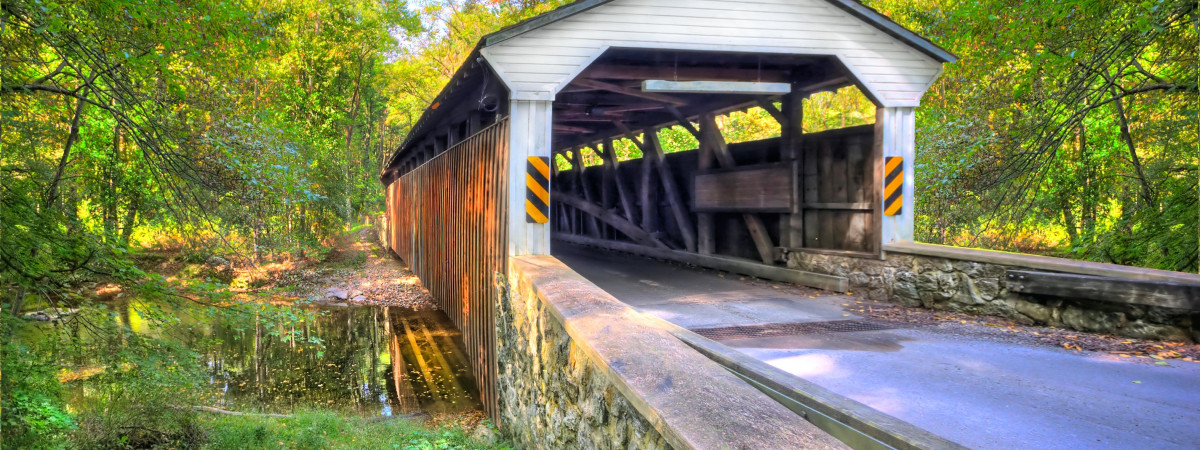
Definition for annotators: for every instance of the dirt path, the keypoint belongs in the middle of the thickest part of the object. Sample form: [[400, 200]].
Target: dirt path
[[359, 271]]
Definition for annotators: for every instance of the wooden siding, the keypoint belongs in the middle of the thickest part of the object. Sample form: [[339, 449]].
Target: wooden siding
[[746, 189], [840, 190], [540, 62], [447, 220]]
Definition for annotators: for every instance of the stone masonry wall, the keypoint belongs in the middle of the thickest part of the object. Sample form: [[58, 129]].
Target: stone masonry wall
[[979, 288], [551, 394]]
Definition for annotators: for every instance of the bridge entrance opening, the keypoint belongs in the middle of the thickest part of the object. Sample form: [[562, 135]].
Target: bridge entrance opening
[[707, 158]]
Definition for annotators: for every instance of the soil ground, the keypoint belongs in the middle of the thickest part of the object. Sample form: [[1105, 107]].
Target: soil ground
[[366, 272]]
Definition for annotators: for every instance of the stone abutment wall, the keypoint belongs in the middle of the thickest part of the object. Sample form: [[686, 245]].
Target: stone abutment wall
[[579, 369], [974, 282], [552, 395]]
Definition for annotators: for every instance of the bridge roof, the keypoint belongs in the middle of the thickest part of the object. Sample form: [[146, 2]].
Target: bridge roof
[[456, 89], [855, 8]]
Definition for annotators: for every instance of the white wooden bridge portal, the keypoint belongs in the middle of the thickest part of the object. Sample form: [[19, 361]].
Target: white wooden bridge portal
[[465, 193]]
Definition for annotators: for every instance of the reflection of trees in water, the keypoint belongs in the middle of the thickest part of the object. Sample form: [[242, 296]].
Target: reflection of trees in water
[[258, 367], [264, 366], [372, 359]]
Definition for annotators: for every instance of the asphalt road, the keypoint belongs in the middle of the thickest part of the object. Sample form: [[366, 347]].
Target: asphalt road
[[975, 387]]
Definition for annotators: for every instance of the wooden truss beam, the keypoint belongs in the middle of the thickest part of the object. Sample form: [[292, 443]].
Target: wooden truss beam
[[628, 228], [683, 121], [582, 186], [716, 146], [683, 218], [613, 167], [775, 113]]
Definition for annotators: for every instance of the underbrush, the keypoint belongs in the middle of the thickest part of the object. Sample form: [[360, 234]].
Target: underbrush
[[324, 429]]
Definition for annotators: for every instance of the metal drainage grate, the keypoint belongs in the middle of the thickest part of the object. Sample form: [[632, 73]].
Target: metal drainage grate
[[788, 329]]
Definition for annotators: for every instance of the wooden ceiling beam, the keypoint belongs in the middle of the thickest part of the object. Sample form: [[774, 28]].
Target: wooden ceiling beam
[[571, 129], [609, 110], [836, 82], [586, 82], [584, 118]]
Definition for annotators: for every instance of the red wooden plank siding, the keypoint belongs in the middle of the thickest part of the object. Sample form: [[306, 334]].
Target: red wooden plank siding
[[447, 221]]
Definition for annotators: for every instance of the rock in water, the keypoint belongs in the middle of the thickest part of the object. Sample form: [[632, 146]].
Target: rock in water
[[337, 293]]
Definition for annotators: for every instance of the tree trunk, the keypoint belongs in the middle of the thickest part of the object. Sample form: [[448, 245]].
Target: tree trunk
[[72, 136], [349, 138], [1087, 183], [1068, 218], [257, 248], [1147, 192], [111, 194], [130, 218]]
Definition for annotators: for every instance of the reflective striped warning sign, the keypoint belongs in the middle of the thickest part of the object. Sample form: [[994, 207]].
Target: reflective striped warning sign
[[893, 180], [537, 190]]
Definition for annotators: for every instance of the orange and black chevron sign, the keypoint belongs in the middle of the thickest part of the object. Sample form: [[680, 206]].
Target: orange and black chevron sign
[[893, 182], [537, 190]]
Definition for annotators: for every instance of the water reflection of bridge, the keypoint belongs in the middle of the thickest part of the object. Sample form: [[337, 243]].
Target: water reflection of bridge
[[429, 368]]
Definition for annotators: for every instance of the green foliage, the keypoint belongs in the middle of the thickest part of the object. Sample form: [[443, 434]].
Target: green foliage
[[1067, 128], [322, 429], [847, 107], [32, 410]]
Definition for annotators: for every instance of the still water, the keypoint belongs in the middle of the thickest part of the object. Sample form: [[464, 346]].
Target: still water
[[370, 360]]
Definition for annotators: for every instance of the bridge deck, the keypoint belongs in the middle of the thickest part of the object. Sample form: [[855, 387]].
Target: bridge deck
[[979, 388]]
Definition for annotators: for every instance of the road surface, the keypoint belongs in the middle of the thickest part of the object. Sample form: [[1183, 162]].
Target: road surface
[[980, 389]]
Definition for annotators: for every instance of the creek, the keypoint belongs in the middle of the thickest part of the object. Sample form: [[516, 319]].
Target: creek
[[375, 361]]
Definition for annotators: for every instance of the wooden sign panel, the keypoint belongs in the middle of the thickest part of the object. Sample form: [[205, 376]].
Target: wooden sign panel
[[766, 188]]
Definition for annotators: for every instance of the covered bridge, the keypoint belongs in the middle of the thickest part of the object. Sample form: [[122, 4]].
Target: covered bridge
[[478, 182]]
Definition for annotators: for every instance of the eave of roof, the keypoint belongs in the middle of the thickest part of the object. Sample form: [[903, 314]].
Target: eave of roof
[[893, 29], [855, 8]]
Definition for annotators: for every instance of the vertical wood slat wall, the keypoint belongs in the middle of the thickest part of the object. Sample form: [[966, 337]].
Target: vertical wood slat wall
[[447, 221], [840, 170]]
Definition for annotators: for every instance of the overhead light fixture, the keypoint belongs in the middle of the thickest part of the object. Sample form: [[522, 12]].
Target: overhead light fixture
[[716, 87]]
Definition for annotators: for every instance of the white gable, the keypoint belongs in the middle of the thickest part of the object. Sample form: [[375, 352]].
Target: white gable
[[537, 64]]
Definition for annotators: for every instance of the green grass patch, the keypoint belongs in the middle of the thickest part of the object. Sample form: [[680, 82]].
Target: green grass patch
[[356, 228], [323, 429]]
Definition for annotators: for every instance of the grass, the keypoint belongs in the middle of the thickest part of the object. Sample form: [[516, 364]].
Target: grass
[[324, 429]]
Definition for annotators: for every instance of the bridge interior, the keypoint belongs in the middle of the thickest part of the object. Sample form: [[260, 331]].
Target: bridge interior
[[975, 385], [752, 200]]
